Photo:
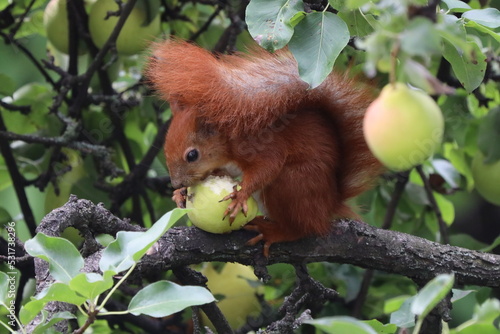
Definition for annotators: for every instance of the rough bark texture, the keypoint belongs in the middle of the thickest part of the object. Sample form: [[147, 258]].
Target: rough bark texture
[[349, 242]]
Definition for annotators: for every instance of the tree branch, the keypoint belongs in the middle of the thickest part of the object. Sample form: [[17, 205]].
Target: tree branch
[[350, 242]]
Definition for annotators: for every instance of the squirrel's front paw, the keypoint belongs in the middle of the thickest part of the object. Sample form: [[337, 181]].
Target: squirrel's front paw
[[237, 205], [179, 197]]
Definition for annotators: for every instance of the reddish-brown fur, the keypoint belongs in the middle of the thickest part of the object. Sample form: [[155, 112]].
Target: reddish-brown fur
[[302, 150]]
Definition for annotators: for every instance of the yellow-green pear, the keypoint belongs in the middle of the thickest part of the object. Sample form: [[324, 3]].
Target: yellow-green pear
[[403, 127], [486, 178], [238, 285], [136, 32], [55, 22], [207, 210]]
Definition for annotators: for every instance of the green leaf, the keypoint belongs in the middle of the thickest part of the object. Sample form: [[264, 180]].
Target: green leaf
[[380, 328], [459, 294], [446, 207], [483, 29], [33, 26], [488, 311], [421, 32], [5, 294], [466, 241], [129, 247], [64, 259], [38, 96], [489, 136], [452, 29], [393, 304], [431, 222], [447, 172], [403, 317], [4, 4], [431, 294], [61, 292], [356, 22], [456, 6], [56, 292], [30, 310], [488, 17], [56, 317], [474, 327], [493, 245], [164, 298], [418, 75], [341, 324], [469, 67], [377, 56], [353, 4], [8, 85], [318, 40], [91, 285], [458, 158], [485, 320], [270, 22]]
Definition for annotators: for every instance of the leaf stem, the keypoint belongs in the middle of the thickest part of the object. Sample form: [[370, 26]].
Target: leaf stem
[[82, 310], [20, 325], [7, 326], [115, 313], [418, 325], [116, 286], [96, 300]]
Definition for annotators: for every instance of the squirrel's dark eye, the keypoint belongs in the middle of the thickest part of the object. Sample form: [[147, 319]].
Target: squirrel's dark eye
[[192, 155]]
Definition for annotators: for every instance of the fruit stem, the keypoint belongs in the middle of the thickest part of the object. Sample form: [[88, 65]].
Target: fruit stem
[[394, 61]]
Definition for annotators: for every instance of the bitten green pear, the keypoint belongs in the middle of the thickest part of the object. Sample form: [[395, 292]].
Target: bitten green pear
[[207, 210]]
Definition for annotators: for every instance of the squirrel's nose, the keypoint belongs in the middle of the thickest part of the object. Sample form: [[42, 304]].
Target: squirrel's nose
[[176, 184]]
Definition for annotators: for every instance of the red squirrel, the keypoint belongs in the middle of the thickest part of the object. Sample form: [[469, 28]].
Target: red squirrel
[[300, 151]]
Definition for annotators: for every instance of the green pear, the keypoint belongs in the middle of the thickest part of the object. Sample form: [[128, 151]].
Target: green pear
[[486, 178], [206, 209], [403, 127], [55, 22], [135, 34], [239, 286]]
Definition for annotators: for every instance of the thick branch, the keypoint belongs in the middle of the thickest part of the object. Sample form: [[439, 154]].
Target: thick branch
[[350, 242]]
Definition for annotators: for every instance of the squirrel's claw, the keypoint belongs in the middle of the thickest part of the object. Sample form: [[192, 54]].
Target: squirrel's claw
[[237, 205], [266, 233], [232, 195], [179, 197], [255, 240]]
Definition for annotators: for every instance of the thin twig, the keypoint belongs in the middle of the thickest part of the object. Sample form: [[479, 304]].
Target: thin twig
[[401, 181], [18, 181], [443, 229], [207, 24]]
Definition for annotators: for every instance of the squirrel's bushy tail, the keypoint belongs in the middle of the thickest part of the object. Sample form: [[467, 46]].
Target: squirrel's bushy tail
[[346, 99]]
